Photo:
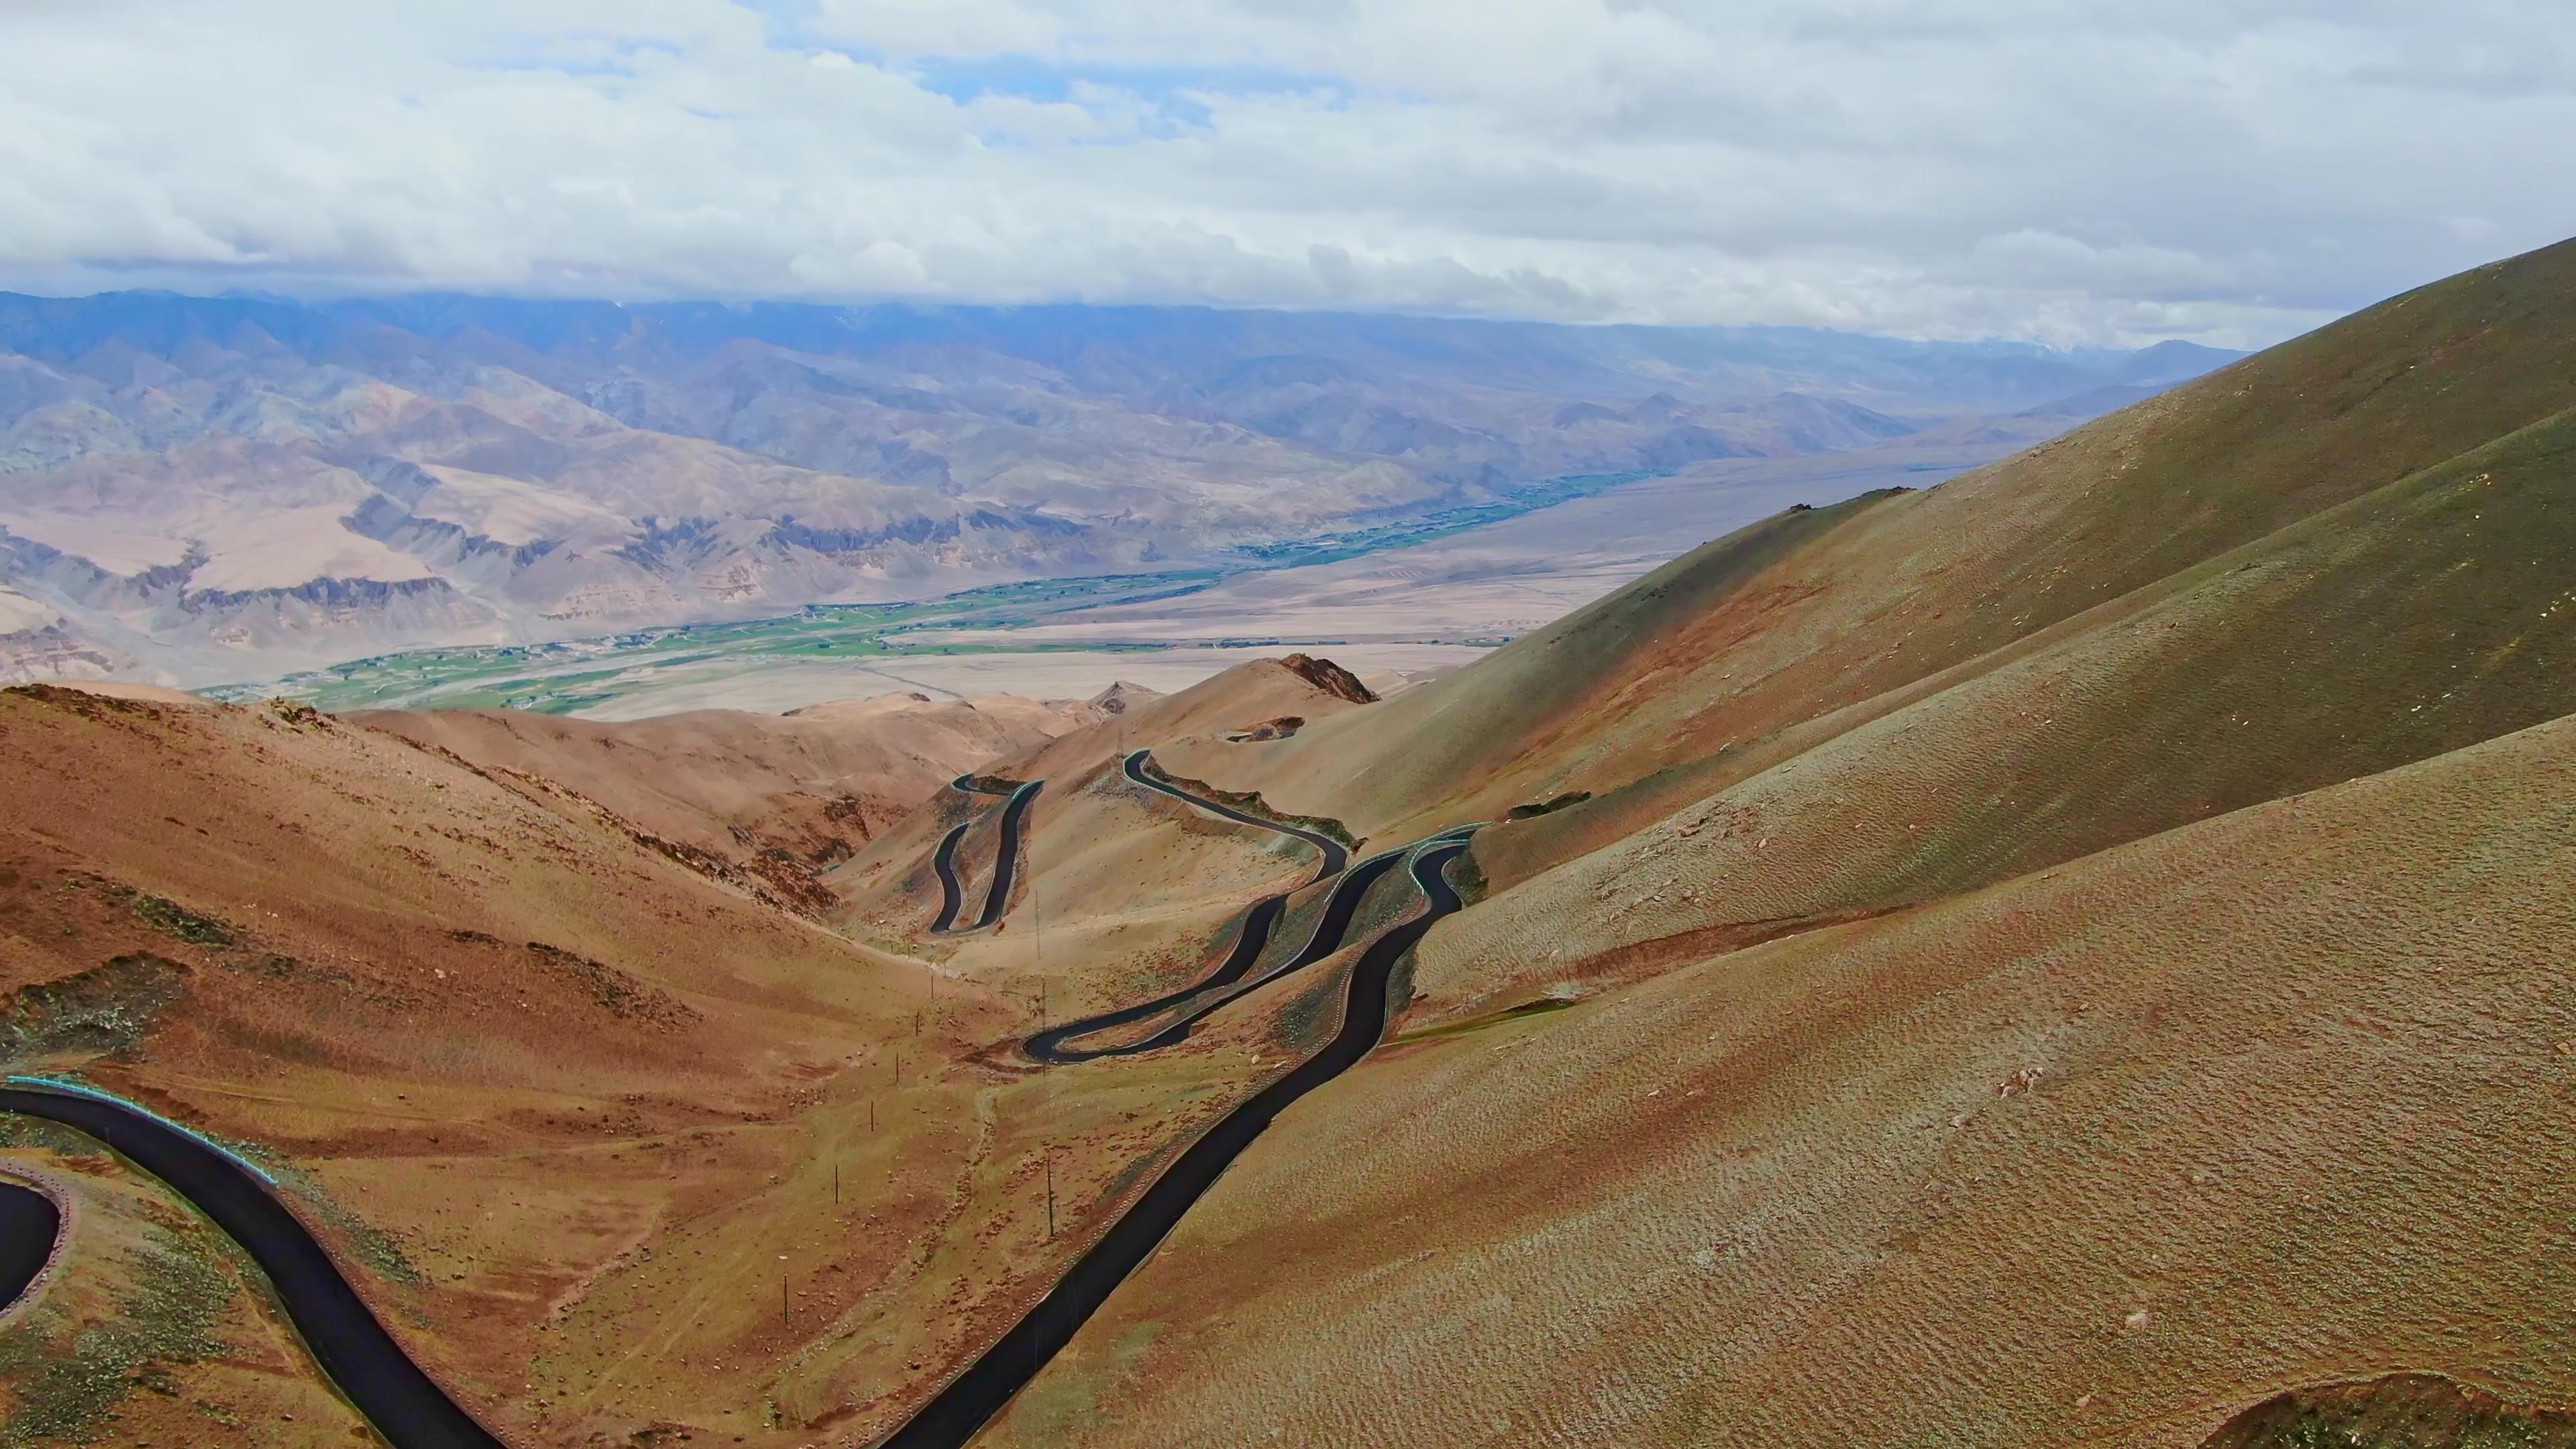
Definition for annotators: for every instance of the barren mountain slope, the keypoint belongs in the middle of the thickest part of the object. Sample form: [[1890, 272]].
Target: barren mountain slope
[[2429, 615], [2099, 1155], [1786, 622], [798, 792], [573, 1115]]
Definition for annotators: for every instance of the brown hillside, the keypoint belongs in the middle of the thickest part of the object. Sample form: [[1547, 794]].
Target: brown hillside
[[1811, 613], [2235, 682], [567, 1110], [2097, 1156], [2079, 954], [787, 795]]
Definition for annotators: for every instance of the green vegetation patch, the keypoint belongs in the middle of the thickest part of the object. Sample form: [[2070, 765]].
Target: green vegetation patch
[[177, 920], [107, 1008], [1406, 532], [65, 1390], [574, 674]]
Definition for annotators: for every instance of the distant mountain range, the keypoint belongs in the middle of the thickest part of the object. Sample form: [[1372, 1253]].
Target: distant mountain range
[[207, 489]]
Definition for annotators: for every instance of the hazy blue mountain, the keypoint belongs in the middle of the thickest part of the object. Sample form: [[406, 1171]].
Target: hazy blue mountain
[[223, 486]]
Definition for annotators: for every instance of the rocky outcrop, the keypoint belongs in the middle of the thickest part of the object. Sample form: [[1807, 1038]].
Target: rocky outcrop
[[1329, 677]]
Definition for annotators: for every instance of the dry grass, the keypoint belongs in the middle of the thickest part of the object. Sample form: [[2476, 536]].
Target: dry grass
[[2097, 1156]]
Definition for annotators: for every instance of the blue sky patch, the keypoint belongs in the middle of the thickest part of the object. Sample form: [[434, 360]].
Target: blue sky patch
[[1171, 90]]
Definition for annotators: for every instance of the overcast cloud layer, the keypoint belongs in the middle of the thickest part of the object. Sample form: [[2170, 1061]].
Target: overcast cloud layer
[[2059, 170]]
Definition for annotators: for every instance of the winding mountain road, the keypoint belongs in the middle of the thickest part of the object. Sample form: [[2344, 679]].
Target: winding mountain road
[[1331, 926], [29, 1226], [1249, 941], [412, 1411], [1335, 854], [1006, 864], [973, 1397], [405, 1404]]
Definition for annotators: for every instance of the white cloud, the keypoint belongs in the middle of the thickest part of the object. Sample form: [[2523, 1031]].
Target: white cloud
[[2069, 170]]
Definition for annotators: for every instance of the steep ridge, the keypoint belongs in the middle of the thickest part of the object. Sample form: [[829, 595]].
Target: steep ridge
[[2239, 681], [1786, 623], [1853, 764]]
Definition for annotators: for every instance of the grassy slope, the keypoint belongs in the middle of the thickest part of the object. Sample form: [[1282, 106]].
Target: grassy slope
[[2096, 1155]]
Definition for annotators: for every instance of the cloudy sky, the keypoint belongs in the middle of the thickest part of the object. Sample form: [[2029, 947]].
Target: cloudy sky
[[2059, 170]]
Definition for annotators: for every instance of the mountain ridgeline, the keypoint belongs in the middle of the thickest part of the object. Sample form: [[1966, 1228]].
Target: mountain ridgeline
[[220, 489]]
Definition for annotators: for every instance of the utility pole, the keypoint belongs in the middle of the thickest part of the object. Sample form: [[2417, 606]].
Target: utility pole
[[836, 1184], [1050, 1184]]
